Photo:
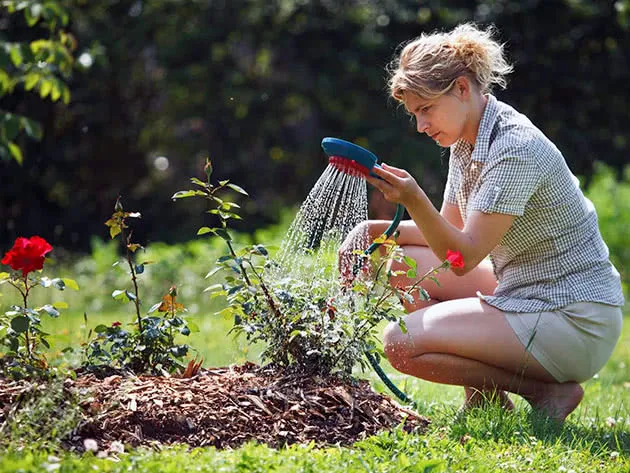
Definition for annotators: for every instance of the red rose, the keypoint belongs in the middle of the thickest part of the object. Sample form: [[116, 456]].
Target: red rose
[[27, 254], [455, 259], [116, 324]]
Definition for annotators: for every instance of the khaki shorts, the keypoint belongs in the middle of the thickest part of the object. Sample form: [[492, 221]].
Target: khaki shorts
[[572, 343]]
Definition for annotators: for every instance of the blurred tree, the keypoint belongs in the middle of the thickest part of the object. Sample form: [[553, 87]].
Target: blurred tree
[[38, 65], [256, 84]]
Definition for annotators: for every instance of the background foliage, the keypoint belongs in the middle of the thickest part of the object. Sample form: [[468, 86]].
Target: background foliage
[[256, 85]]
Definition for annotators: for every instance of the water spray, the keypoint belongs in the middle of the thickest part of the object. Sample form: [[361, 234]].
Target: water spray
[[357, 161]]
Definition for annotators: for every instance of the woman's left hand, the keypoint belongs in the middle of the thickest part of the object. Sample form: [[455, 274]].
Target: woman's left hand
[[397, 185]]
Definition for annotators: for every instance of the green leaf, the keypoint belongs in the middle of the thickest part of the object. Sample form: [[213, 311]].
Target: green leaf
[[154, 307], [59, 284], [114, 230], [412, 273], [227, 312], [238, 189], [50, 310], [11, 126], [261, 250], [71, 283], [16, 152], [121, 295], [30, 80], [222, 232], [194, 328], [60, 305], [19, 324], [4, 276], [188, 193], [212, 272], [32, 14], [16, 55], [204, 230], [45, 88], [199, 182], [56, 90], [434, 279], [101, 328], [410, 262], [213, 288], [32, 128], [402, 325]]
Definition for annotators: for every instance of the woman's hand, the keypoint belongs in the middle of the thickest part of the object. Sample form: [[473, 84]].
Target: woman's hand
[[397, 185], [357, 239]]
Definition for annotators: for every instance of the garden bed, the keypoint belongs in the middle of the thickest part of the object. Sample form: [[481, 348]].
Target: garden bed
[[225, 408]]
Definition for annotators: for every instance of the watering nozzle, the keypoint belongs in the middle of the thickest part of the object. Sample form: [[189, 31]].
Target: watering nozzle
[[349, 158]]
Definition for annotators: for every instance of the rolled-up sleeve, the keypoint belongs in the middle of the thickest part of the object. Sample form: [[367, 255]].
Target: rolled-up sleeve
[[506, 183]]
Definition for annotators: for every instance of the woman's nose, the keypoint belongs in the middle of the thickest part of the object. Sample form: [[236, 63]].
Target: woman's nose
[[421, 125]]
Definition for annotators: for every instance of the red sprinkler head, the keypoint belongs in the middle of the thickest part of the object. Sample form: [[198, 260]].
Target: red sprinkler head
[[348, 166]]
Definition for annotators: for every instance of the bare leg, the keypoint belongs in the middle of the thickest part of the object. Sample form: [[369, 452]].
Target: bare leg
[[469, 343], [452, 287]]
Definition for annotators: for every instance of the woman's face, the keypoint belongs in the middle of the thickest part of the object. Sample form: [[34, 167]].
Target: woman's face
[[443, 119]]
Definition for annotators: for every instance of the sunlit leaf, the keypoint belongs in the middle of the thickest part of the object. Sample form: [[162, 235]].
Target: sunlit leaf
[[15, 151], [71, 283], [60, 305], [154, 307], [213, 272], [409, 261], [236, 188], [59, 283], [50, 310], [194, 328], [204, 230], [213, 288], [188, 193], [45, 88]]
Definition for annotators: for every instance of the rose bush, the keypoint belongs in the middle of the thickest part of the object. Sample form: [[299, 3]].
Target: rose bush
[[323, 325], [20, 327]]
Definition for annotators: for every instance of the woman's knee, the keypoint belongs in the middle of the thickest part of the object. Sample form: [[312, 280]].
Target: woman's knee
[[396, 345]]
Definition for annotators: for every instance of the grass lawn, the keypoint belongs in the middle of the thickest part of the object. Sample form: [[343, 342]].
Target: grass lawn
[[596, 436]]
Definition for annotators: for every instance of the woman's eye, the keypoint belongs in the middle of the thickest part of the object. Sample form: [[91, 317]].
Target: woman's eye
[[426, 109]]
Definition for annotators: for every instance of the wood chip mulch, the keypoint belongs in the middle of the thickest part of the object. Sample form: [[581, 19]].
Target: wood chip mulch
[[227, 407]]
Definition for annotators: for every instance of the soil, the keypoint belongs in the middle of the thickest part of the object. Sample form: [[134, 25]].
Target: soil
[[224, 408]]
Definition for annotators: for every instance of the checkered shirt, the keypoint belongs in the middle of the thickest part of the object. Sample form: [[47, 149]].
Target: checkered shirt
[[553, 254]]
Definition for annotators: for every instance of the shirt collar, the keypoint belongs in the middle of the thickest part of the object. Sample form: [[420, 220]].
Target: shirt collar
[[463, 149]]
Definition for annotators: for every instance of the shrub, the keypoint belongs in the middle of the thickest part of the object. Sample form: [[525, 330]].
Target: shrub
[[611, 198]]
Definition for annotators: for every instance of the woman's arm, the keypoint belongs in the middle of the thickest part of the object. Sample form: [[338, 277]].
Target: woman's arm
[[482, 232], [410, 234]]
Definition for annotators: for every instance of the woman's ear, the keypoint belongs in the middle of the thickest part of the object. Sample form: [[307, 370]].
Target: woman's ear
[[462, 87]]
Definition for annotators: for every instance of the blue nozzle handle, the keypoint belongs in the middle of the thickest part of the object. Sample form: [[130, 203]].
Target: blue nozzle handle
[[345, 149]]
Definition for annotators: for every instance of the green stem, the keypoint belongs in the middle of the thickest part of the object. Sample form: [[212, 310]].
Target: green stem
[[25, 298], [127, 241]]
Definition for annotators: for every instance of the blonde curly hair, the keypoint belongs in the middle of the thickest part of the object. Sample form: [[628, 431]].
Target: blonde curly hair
[[429, 65]]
